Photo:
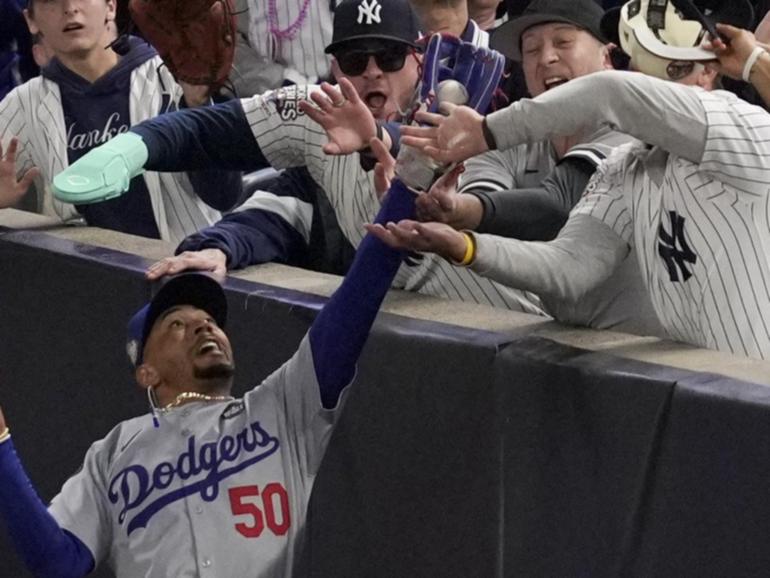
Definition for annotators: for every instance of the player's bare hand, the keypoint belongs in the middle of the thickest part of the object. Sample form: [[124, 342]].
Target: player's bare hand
[[452, 138], [347, 120], [2, 421], [213, 261], [411, 235], [385, 169], [731, 57], [11, 189]]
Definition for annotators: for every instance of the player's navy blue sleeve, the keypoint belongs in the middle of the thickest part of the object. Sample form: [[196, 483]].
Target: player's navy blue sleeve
[[249, 237], [340, 330], [47, 550], [217, 136]]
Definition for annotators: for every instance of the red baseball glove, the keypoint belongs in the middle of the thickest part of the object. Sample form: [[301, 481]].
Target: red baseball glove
[[195, 38]]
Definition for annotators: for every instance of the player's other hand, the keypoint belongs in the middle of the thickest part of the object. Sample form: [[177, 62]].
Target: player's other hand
[[423, 237], [452, 138], [213, 261], [2, 420], [731, 57], [11, 189], [347, 120]]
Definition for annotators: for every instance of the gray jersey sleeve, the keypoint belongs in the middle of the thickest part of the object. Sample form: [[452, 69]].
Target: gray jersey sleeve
[[737, 145], [583, 256], [80, 506], [308, 425], [655, 111]]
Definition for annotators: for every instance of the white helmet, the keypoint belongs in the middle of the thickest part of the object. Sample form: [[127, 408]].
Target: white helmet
[[662, 37]]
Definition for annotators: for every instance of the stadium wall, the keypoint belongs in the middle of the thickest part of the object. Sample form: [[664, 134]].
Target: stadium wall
[[495, 445]]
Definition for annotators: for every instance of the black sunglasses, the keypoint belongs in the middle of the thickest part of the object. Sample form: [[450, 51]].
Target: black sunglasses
[[389, 59]]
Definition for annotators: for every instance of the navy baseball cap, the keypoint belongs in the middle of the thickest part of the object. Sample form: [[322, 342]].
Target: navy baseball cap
[[392, 20], [585, 14], [196, 289]]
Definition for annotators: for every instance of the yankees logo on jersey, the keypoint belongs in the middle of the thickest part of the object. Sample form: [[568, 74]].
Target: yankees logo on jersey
[[674, 250], [700, 232]]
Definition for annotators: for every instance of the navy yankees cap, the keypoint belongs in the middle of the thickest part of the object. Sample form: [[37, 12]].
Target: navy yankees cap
[[585, 14], [379, 19], [196, 289]]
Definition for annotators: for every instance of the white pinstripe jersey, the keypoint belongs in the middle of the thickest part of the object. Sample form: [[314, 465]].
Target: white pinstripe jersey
[[33, 113], [289, 138], [303, 55], [218, 490], [701, 230], [619, 304]]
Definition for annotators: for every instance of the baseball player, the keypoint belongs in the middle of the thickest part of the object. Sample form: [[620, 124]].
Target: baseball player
[[86, 95], [206, 485], [376, 54], [693, 202]]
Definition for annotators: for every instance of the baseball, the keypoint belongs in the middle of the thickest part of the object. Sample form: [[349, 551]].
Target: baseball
[[451, 91]]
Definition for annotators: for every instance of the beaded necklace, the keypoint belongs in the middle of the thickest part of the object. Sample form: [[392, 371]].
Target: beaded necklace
[[290, 31]]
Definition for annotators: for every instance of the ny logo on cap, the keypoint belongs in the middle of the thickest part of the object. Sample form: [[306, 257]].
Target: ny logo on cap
[[370, 11]]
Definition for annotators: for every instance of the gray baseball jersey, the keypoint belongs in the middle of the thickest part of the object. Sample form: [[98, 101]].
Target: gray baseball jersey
[[621, 303], [695, 206], [289, 138], [218, 490]]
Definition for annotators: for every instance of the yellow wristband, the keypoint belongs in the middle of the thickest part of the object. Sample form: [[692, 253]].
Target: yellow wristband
[[5, 435], [470, 250]]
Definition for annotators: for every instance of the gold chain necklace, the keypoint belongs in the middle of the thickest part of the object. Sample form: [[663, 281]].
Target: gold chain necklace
[[191, 395]]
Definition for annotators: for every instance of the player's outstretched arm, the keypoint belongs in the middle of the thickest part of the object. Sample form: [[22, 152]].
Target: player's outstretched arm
[[351, 310], [206, 137], [47, 550]]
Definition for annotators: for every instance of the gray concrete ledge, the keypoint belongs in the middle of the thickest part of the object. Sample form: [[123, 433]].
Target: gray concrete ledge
[[647, 349]]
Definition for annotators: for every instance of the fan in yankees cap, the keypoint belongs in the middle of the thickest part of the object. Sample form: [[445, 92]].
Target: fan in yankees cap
[[373, 36]]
